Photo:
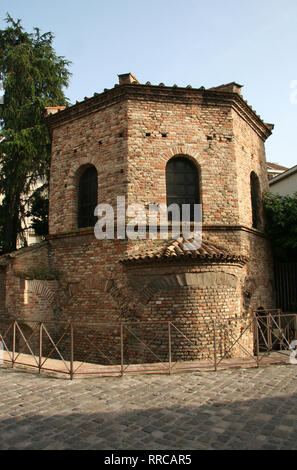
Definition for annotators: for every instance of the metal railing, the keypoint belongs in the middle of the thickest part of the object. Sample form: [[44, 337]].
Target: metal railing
[[100, 349], [274, 334]]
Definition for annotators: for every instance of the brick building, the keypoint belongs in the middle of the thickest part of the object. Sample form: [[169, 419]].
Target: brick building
[[127, 141]]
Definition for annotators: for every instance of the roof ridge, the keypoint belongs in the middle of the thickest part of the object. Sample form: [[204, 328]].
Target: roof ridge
[[182, 248]]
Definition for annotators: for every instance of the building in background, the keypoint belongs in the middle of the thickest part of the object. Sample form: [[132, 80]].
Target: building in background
[[28, 236], [285, 183], [273, 169]]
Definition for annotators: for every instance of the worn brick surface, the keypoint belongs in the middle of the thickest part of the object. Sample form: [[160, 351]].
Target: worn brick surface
[[129, 133], [234, 409]]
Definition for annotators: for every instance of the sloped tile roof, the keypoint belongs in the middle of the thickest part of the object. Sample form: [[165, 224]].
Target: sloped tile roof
[[182, 249], [276, 166]]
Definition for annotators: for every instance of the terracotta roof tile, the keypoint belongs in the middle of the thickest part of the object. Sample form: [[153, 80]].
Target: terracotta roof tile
[[276, 166], [182, 249]]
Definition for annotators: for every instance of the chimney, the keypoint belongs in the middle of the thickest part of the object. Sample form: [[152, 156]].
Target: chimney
[[53, 109], [127, 79], [232, 87]]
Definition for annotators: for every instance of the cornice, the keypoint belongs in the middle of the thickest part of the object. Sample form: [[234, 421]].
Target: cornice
[[90, 231], [165, 94], [8, 257]]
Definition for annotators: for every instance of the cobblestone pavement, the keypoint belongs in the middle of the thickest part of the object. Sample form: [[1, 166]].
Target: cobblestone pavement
[[233, 409]]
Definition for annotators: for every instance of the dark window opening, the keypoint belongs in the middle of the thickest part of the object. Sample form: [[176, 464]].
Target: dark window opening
[[87, 198], [255, 200], [182, 184]]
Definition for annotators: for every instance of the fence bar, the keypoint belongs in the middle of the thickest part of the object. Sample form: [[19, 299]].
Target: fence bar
[[280, 330], [71, 351], [269, 326], [257, 339], [40, 347], [122, 350], [13, 343], [169, 346], [215, 345]]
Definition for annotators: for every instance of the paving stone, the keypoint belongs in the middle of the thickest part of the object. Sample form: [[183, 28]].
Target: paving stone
[[189, 411]]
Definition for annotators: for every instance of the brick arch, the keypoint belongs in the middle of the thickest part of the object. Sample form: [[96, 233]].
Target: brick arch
[[81, 162], [72, 184], [185, 151], [45, 289]]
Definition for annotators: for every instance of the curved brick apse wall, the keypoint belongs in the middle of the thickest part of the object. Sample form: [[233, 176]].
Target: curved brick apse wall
[[190, 297]]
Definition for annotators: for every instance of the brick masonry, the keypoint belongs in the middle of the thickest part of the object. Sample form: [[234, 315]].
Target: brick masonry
[[129, 133]]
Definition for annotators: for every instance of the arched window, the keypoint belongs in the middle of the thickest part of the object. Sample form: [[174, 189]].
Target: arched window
[[255, 200], [182, 183], [87, 197]]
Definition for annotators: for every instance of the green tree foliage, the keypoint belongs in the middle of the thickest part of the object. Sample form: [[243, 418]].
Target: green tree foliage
[[39, 205], [33, 77], [281, 225]]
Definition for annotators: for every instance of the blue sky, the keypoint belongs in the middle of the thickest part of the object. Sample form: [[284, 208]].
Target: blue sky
[[253, 42]]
